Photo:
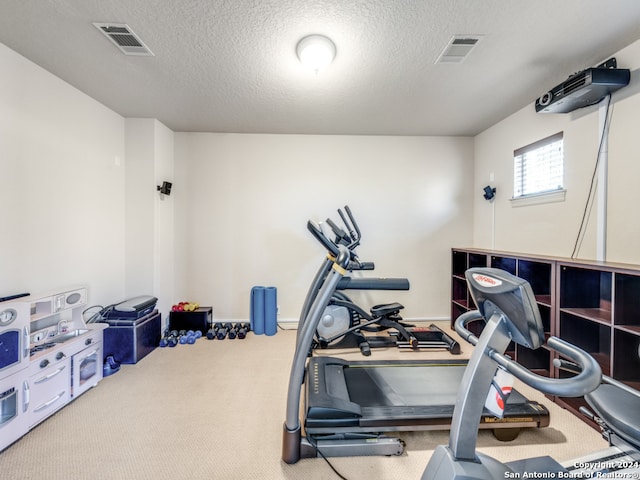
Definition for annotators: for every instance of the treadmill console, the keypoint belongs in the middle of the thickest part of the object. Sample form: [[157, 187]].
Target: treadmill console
[[496, 291]]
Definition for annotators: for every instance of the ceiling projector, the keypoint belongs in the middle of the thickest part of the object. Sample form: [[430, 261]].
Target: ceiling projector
[[582, 89]]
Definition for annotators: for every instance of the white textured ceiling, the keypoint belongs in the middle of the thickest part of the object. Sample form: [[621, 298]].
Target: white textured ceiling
[[230, 65]]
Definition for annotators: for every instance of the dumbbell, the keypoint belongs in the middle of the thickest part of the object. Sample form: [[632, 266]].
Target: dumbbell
[[233, 333], [223, 330], [170, 338], [183, 336], [164, 340], [242, 329], [212, 333]]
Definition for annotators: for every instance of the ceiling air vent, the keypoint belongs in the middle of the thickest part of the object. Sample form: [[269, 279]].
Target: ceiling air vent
[[124, 38], [458, 48]]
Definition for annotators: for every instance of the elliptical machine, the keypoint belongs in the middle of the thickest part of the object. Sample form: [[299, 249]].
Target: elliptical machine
[[508, 305], [343, 321]]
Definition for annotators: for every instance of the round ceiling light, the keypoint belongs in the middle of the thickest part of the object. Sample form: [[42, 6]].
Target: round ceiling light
[[316, 52]]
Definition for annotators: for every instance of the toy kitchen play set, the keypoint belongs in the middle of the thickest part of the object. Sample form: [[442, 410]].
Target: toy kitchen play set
[[48, 356]]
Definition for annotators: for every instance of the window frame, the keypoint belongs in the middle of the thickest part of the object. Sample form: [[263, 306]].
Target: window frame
[[543, 196]]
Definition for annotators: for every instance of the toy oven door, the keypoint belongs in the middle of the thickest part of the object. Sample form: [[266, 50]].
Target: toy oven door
[[14, 350], [14, 394], [86, 369]]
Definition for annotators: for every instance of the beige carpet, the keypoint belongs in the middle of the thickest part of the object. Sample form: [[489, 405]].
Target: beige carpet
[[214, 410]]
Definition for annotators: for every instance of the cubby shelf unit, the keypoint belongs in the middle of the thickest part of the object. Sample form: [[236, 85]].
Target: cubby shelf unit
[[594, 305]]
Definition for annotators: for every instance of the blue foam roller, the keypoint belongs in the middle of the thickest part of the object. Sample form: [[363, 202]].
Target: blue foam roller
[[257, 310], [270, 311]]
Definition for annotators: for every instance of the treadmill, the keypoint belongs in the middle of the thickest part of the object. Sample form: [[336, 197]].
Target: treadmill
[[349, 405]]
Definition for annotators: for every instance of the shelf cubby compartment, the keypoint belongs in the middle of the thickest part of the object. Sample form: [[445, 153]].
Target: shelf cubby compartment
[[538, 274], [627, 301], [626, 358], [593, 337], [586, 293], [545, 316], [508, 264], [538, 360], [477, 260], [456, 311], [458, 263], [461, 261], [460, 292]]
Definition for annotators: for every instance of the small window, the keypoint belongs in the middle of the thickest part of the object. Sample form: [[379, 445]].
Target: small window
[[538, 168]]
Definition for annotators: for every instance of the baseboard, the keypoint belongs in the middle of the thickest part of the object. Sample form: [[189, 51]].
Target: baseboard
[[292, 323], [288, 323], [285, 324]]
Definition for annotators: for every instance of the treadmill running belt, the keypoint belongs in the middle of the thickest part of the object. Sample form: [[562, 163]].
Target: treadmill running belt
[[392, 395], [407, 385]]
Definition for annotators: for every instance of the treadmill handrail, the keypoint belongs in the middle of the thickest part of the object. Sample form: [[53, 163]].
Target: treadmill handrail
[[305, 338], [312, 293]]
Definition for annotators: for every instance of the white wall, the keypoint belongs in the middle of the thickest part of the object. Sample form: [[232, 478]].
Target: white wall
[[140, 196], [245, 201], [61, 188], [80, 205], [237, 214], [623, 236], [552, 229], [164, 246], [78, 192], [149, 218]]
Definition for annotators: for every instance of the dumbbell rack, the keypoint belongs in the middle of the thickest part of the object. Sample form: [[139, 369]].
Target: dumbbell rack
[[218, 331]]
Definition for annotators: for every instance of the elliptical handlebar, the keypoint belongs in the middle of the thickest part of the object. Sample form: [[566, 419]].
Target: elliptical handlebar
[[353, 237], [587, 380], [342, 237], [351, 225], [333, 248], [350, 240]]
